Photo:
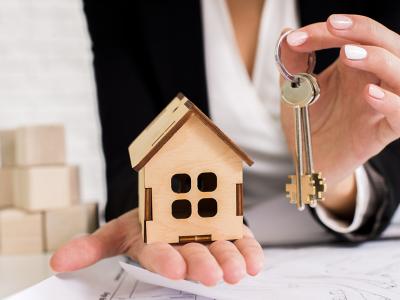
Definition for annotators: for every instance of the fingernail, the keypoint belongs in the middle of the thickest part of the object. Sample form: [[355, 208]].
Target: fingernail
[[354, 52], [340, 22], [297, 38], [375, 91]]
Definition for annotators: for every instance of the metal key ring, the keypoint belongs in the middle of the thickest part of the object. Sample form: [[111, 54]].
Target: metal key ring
[[282, 69]]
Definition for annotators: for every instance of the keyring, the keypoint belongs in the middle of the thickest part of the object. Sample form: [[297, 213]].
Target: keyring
[[282, 69]]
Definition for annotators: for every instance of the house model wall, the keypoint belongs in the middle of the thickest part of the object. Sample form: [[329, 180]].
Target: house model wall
[[190, 178]]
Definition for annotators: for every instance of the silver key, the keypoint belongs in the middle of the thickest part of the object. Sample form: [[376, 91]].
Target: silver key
[[307, 186]]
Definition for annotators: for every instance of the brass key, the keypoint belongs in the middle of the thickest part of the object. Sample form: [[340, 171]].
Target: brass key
[[307, 186]]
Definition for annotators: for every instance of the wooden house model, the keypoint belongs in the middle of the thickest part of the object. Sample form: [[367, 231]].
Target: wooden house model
[[190, 178]]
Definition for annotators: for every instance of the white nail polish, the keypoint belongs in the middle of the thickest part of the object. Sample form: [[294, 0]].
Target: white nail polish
[[375, 92], [354, 52]]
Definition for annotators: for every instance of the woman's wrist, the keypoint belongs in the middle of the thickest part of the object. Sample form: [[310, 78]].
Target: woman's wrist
[[340, 199]]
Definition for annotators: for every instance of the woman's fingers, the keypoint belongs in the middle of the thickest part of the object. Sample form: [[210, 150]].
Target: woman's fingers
[[388, 104], [314, 37], [195, 261], [223, 259], [344, 29], [201, 265], [252, 252], [364, 30], [161, 258], [114, 238], [120, 236], [294, 51], [230, 260], [376, 60], [294, 61]]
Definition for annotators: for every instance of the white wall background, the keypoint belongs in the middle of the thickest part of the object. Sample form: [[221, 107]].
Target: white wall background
[[46, 76]]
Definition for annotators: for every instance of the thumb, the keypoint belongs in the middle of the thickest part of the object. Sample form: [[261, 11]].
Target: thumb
[[294, 62], [113, 238], [77, 254]]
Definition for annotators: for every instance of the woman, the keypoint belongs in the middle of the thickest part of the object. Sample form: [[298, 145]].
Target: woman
[[219, 54]]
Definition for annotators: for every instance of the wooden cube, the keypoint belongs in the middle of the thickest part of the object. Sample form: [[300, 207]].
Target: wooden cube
[[6, 187], [7, 148], [40, 145], [20, 232], [48, 187], [61, 225]]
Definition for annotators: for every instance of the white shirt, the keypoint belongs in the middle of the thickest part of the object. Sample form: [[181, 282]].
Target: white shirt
[[248, 110]]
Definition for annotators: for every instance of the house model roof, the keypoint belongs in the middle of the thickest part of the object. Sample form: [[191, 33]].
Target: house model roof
[[166, 124]]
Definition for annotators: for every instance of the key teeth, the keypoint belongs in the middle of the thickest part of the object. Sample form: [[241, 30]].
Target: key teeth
[[310, 190], [291, 189], [314, 186], [320, 184]]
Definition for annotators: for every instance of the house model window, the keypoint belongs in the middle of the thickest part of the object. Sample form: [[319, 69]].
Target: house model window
[[207, 182], [181, 209], [206, 207], [190, 178], [181, 183]]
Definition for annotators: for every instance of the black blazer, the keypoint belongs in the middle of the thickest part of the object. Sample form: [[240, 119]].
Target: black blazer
[[145, 52]]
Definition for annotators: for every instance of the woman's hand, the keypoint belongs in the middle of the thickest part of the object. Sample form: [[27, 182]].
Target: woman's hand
[[358, 113], [205, 263]]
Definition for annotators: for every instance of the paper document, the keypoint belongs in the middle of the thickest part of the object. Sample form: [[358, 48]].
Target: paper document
[[369, 271]]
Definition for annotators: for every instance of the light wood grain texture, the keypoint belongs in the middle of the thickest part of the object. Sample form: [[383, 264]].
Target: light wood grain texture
[[40, 145], [141, 188], [47, 187], [7, 148], [6, 187], [192, 150], [152, 135], [165, 125], [61, 225], [20, 232], [183, 140]]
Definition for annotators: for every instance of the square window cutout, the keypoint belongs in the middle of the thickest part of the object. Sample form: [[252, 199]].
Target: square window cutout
[[181, 209], [207, 207], [181, 183], [207, 182]]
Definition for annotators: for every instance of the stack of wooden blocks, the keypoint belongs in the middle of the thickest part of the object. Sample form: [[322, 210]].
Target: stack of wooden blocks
[[40, 207]]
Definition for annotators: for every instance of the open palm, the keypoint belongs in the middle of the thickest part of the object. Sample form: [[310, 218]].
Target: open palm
[[207, 263]]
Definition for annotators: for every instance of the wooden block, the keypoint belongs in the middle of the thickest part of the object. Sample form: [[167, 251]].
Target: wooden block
[[6, 187], [20, 232], [61, 225], [40, 145], [42, 188], [7, 148]]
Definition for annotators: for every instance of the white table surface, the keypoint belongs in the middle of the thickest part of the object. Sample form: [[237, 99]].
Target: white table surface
[[20, 272]]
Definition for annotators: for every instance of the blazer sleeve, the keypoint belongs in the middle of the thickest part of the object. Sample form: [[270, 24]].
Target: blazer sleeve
[[125, 100], [384, 177]]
